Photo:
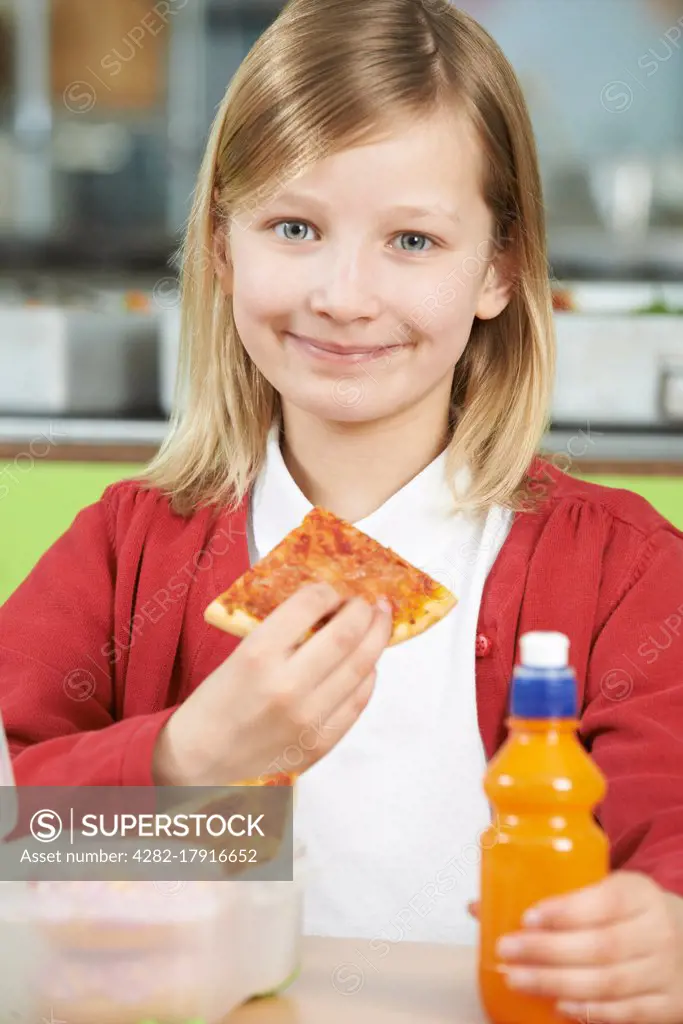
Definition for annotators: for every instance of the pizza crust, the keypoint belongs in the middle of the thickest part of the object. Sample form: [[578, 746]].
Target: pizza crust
[[240, 623], [431, 612]]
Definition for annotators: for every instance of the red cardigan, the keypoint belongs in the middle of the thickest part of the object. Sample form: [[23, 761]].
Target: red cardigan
[[106, 637]]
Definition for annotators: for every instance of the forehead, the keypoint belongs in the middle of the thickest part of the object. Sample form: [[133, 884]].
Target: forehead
[[438, 155]]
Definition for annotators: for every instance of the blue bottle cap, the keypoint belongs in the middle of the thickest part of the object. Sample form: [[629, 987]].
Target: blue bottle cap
[[543, 685]]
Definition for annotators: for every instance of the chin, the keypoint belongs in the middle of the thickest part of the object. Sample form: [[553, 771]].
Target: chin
[[345, 401]]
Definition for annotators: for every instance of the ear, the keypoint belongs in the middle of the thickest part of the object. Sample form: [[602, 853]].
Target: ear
[[496, 290], [221, 257]]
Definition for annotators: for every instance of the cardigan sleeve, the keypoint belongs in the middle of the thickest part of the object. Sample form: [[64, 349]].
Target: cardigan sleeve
[[56, 681], [633, 719]]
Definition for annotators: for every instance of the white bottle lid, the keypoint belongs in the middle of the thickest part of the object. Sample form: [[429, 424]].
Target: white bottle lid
[[544, 650]]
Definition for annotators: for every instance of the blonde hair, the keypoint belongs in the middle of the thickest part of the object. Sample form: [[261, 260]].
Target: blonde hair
[[326, 75]]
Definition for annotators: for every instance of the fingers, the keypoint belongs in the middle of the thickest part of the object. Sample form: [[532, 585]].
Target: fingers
[[342, 685], [473, 909], [620, 896], [348, 711], [291, 622], [341, 654], [632, 979], [614, 944], [623, 970], [651, 1008]]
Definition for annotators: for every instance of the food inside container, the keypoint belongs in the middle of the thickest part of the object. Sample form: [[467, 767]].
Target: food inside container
[[120, 952], [89, 951], [123, 952]]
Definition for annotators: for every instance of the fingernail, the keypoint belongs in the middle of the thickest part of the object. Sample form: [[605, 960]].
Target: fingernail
[[532, 918], [509, 947], [385, 606]]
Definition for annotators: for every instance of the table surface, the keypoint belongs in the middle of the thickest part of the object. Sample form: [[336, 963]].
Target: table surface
[[347, 980]]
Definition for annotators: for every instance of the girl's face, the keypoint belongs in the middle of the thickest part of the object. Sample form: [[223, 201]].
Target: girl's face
[[355, 287]]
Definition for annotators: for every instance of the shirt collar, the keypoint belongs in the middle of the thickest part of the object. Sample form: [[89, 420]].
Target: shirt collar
[[279, 505]]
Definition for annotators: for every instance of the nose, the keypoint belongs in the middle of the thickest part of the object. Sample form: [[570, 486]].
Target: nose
[[345, 291]]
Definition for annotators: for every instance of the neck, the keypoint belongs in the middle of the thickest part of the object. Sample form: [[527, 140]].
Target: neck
[[351, 469]]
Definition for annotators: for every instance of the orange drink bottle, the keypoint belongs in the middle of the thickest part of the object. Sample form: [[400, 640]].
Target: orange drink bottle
[[542, 787]]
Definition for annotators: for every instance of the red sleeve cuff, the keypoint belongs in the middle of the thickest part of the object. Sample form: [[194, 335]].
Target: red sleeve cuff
[[136, 766]]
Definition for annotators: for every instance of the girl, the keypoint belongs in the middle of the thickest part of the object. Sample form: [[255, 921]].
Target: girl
[[367, 327]]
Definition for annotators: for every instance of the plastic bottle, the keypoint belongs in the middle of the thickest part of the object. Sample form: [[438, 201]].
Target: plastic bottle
[[543, 788]]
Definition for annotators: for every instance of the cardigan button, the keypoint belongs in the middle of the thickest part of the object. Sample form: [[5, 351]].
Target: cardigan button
[[483, 645]]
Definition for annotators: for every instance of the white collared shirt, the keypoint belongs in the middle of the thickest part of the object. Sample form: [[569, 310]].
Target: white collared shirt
[[392, 815]]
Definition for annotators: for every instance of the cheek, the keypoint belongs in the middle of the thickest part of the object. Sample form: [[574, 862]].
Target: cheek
[[443, 313], [445, 290], [262, 303], [259, 292], [264, 287]]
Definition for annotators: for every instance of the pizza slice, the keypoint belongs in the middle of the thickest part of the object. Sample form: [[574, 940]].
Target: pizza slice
[[326, 548]]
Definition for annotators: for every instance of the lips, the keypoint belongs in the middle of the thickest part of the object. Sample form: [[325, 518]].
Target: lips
[[348, 353], [341, 350]]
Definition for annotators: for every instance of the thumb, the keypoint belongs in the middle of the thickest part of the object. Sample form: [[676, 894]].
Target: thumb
[[473, 909]]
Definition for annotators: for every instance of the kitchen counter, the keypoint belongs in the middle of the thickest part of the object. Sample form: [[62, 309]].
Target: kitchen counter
[[592, 449], [80, 440], [352, 980]]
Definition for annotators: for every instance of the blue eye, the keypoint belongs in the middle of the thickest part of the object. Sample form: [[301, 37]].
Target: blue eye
[[290, 223], [413, 236], [301, 226]]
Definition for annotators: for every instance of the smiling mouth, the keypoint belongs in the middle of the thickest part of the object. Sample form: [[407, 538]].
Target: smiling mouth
[[349, 353]]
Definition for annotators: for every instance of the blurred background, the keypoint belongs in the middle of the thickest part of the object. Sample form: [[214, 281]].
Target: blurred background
[[105, 107]]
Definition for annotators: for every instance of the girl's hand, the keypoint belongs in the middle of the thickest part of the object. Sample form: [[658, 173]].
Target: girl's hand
[[277, 704], [611, 953]]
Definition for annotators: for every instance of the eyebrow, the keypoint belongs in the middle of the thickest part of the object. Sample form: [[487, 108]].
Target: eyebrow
[[403, 209]]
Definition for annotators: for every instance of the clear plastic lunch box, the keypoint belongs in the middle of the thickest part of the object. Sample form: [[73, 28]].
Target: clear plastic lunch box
[[140, 951]]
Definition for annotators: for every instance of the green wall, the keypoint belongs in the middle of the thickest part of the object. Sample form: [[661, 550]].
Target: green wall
[[38, 501], [665, 493]]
